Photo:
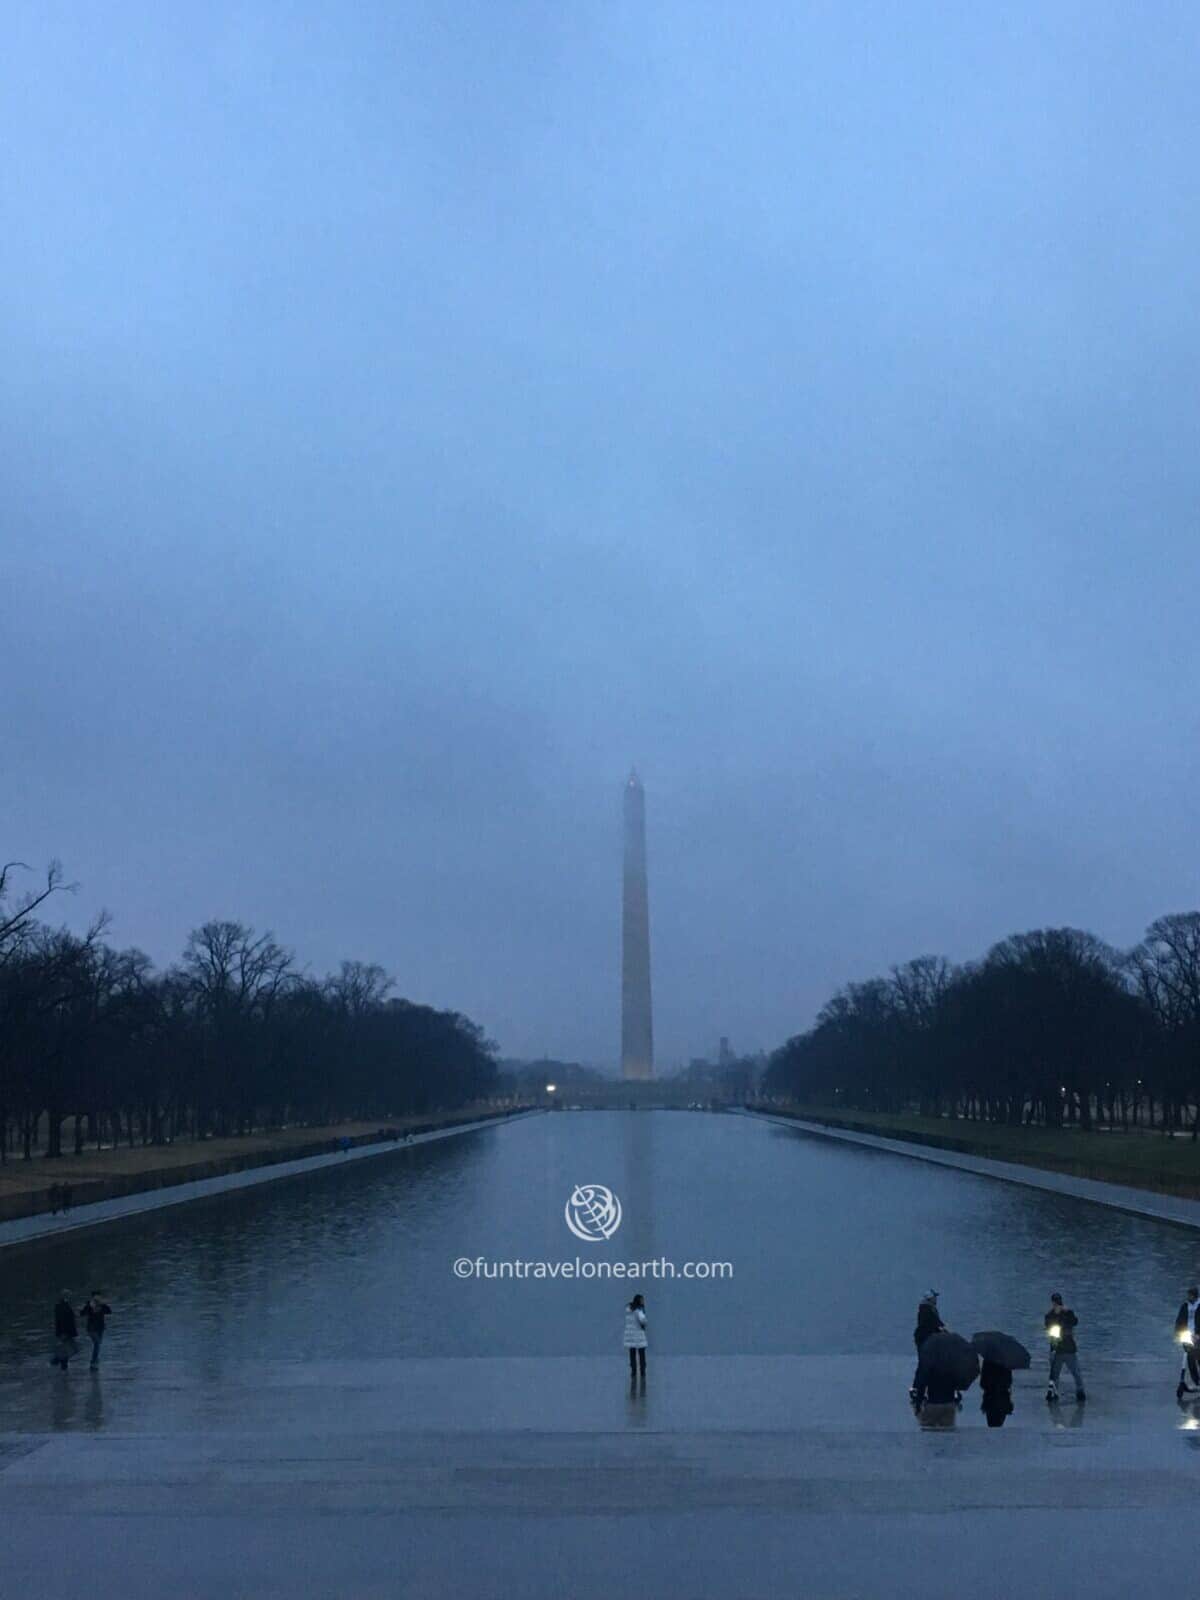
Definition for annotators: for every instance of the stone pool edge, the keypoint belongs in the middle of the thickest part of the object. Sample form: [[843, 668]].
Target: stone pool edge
[[1117, 1196], [41, 1226]]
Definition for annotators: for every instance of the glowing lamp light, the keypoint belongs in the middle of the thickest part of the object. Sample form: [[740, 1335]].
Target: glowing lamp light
[[1187, 1338], [550, 1088], [1054, 1331]]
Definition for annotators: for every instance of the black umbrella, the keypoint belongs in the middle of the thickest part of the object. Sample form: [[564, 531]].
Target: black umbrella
[[950, 1357], [1003, 1349]]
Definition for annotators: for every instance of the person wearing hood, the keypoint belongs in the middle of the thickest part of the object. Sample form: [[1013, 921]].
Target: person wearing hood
[[928, 1321], [1188, 1335]]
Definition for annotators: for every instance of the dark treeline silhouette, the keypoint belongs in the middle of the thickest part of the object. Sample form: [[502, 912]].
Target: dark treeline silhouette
[[234, 1037], [1052, 1027]]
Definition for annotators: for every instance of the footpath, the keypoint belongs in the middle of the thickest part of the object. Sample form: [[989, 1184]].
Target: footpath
[[1119, 1196]]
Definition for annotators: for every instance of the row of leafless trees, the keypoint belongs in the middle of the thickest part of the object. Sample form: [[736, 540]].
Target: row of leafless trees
[[96, 1041], [1050, 1027]]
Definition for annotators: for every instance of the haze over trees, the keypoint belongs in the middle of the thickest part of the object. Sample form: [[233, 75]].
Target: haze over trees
[[1051, 1027], [233, 1037], [531, 1077]]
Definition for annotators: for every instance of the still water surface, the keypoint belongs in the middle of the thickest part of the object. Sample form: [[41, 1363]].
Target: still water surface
[[831, 1247]]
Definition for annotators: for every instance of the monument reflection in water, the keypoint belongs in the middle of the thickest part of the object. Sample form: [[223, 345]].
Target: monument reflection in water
[[637, 1026], [354, 1264]]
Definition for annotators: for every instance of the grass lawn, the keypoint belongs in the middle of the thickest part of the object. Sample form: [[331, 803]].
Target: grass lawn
[[24, 1178], [1146, 1160]]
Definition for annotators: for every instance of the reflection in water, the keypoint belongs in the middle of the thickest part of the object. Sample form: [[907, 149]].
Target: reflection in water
[[935, 1416], [93, 1403], [1066, 1416], [63, 1405], [277, 1271], [639, 1244], [636, 1412], [639, 1150], [831, 1246]]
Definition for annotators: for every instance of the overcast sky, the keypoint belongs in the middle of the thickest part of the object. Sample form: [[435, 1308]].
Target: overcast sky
[[411, 415]]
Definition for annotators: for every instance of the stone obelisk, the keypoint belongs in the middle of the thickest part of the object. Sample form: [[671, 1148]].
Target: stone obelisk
[[637, 1032]]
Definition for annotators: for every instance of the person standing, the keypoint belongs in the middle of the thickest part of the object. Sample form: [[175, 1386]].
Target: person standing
[[1061, 1323], [94, 1311], [936, 1397], [928, 1321], [1188, 1333], [635, 1337], [995, 1383], [937, 1401], [65, 1331]]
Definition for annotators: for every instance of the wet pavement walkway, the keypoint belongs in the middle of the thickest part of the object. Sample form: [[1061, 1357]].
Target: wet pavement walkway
[[729, 1479], [300, 1396]]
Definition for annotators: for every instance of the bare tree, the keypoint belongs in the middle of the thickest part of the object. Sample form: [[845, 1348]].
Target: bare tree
[[17, 918], [1165, 969]]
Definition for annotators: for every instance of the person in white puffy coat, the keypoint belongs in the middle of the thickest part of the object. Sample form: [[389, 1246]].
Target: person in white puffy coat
[[635, 1336]]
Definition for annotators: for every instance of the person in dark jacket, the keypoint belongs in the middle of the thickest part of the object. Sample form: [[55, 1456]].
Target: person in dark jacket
[[995, 1382], [94, 1311], [1187, 1331], [1061, 1323], [65, 1331], [928, 1321], [937, 1401], [935, 1389]]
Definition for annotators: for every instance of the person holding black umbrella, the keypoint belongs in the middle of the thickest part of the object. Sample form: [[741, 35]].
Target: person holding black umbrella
[[939, 1406], [1188, 1333], [1061, 1323], [947, 1367], [995, 1383], [1000, 1355]]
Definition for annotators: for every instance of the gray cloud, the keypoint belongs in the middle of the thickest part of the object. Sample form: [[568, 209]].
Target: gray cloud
[[409, 418]]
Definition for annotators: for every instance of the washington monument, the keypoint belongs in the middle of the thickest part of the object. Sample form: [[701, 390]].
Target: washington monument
[[637, 1031]]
